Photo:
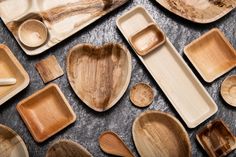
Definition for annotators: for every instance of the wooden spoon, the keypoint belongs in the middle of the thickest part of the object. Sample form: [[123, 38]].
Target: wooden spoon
[[112, 144]]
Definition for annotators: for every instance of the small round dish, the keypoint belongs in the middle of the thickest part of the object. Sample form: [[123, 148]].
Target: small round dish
[[141, 95], [11, 144], [32, 33], [228, 90]]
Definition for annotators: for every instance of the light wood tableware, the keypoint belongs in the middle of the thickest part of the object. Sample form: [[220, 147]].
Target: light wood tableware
[[141, 95], [49, 69], [7, 81], [160, 134], [199, 11], [62, 18], [46, 112], [67, 148], [11, 144], [112, 144], [211, 54], [172, 74], [216, 139], [228, 90], [10, 67], [99, 75]]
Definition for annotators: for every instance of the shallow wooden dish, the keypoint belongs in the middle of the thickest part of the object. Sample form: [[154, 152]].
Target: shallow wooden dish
[[147, 39], [99, 75], [211, 54], [62, 18], [199, 11], [11, 144], [216, 139], [228, 90], [11, 68], [172, 74], [46, 112], [67, 148], [160, 134]]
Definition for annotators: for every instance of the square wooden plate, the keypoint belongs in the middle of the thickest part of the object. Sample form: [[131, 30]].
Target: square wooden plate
[[211, 54], [46, 112], [10, 67]]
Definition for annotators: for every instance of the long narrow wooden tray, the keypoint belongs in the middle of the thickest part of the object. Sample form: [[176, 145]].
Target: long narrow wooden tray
[[169, 70], [62, 18]]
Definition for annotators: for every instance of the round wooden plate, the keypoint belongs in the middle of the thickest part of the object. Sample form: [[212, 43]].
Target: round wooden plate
[[228, 90]]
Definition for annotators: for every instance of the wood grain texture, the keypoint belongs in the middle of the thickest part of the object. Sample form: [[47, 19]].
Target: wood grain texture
[[228, 90], [99, 75]]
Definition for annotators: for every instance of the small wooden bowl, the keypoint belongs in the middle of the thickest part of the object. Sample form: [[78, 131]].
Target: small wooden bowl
[[141, 95], [228, 90], [33, 33]]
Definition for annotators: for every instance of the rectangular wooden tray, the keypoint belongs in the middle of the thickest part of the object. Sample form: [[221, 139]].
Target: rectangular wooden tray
[[10, 67], [62, 18], [169, 70]]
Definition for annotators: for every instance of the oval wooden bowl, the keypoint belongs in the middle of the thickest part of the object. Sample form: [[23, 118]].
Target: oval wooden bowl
[[11, 144], [99, 75], [160, 134], [228, 90]]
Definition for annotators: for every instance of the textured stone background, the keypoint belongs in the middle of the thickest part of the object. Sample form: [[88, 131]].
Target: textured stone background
[[90, 124]]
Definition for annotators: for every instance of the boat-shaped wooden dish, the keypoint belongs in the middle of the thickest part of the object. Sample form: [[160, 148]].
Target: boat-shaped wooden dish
[[46, 112], [199, 11], [228, 90], [11, 144], [216, 139], [160, 134], [62, 18], [99, 75], [172, 74], [10, 67], [67, 148], [211, 54]]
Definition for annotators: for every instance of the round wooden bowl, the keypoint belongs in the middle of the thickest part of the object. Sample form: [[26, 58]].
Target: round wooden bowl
[[228, 90], [141, 95], [11, 144], [33, 33]]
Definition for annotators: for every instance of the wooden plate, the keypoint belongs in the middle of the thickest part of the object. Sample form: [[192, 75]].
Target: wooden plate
[[46, 112], [99, 75], [199, 11], [11, 144], [228, 90], [160, 134]]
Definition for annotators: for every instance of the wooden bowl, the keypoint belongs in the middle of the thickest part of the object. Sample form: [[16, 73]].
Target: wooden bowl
[[11, 144], [160, 134], [99, 75], [67, 148], [141, 95], [228, 90], [33, 33]]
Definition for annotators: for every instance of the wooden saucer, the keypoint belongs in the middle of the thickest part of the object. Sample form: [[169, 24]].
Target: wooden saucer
[[228, 90]]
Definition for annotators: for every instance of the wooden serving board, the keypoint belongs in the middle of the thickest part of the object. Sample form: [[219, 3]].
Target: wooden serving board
[[172, 74], [63, 18]]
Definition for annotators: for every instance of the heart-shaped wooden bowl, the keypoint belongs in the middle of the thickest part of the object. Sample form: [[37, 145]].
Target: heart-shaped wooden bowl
[[99, 75]]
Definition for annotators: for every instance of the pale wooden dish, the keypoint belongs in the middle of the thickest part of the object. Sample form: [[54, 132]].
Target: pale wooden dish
[[199, 11], [211, 54], [99, 75], [216, 139], [158, 134], [46, 112], [62, 18], [11, 144], [141, 95], [172, 74], [112, 144], [67, 148], [228, 90], [11, 67]]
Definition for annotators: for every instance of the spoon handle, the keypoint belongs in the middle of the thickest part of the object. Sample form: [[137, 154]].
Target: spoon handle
[[7, 81]]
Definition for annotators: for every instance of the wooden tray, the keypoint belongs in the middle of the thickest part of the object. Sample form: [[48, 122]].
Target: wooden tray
[[62, 18], [10, 67], [169, 70], [199, 11], [46, 112], [158, 134], [211, 54]]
